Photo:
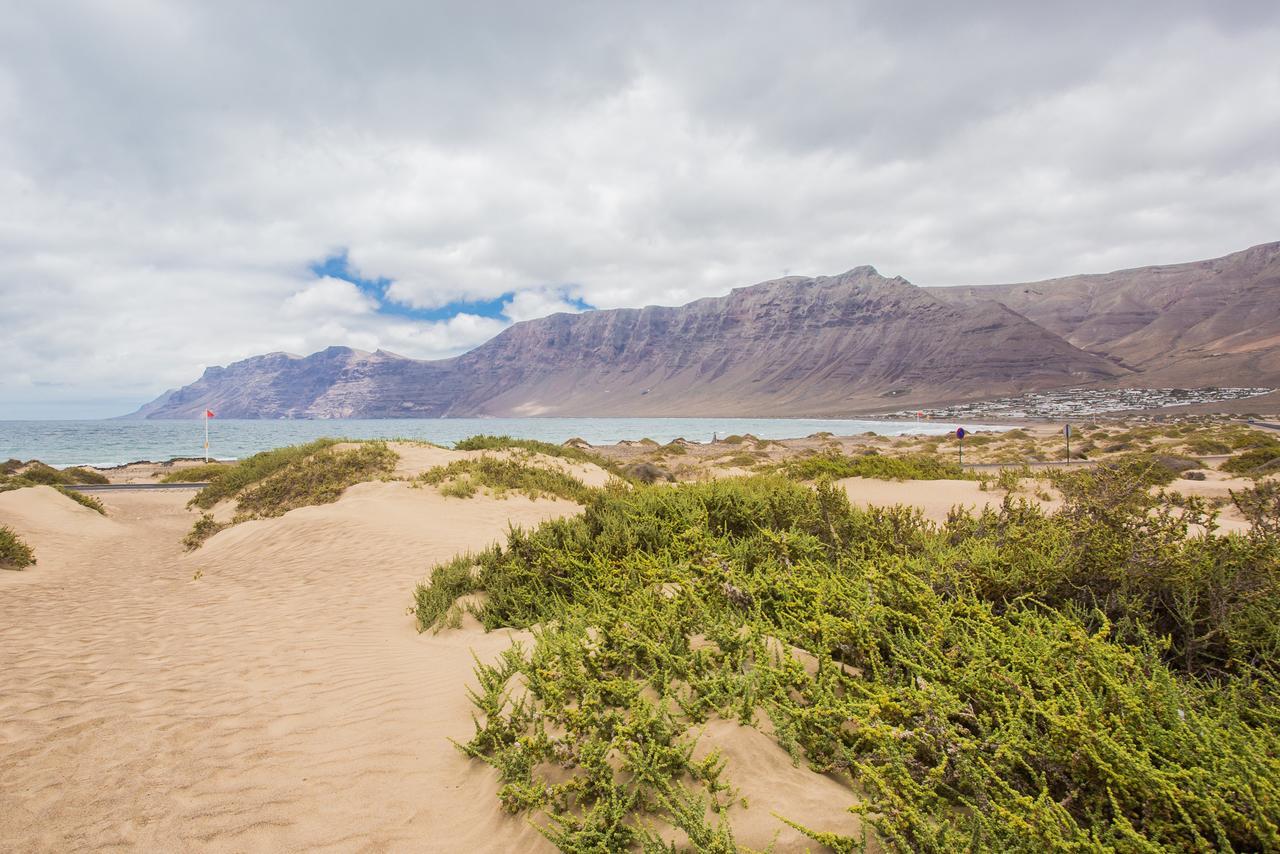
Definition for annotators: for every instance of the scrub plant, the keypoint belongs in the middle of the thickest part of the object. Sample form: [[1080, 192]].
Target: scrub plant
[[14, 553], [1102, 679]]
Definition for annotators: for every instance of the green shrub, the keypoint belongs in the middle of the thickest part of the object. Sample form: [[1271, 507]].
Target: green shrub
[[1207, 445], [1257, 461], [197, 474], [1099, 679], [82, 499], [14, 553], [204, 528], [254, 469], [318, 478], [501, 475], [463, 487], [835, 466], [274, 482]]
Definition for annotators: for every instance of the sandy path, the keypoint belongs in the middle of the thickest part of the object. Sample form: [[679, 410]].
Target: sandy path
[[280, 701]]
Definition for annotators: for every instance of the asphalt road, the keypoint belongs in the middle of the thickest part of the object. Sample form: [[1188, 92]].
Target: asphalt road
[[132, 487]]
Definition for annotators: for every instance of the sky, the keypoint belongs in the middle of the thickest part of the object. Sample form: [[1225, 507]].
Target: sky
[[185, 184]]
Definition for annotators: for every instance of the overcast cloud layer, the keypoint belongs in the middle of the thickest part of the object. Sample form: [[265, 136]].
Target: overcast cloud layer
[[171, 173]]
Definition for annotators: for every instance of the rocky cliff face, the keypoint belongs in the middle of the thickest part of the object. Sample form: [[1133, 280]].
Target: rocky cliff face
[[835, 345], [1204, 323]]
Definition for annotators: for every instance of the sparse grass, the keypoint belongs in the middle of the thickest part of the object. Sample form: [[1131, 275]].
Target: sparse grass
[[462, 487], [460, 478], [197, 474], [82, 499], [14, 553], [8, 483], [45, 475], [317, 478], [274, 482], [204, 528], [834, 466], [255, 469], [568, 452]]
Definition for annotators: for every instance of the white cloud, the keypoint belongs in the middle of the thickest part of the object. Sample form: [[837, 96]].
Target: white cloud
[[168, 173], [328, 296]]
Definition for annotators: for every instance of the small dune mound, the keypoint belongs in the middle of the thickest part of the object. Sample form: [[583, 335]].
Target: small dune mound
[[54, 525]]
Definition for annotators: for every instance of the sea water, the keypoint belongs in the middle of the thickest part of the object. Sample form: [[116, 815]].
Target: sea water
[[114, 442]]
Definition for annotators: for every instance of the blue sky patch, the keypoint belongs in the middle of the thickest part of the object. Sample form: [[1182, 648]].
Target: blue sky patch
[[337, 266]]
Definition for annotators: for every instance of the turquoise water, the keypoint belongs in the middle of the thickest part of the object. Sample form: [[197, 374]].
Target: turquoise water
[[109, 443]]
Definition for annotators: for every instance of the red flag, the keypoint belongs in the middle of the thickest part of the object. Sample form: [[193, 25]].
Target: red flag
[[208, 413]]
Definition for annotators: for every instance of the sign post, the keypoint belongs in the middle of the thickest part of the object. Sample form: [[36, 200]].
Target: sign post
[[207, 415], [960, 434], [1066, 432]]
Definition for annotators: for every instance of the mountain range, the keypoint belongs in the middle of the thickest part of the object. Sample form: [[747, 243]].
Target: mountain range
[[856, 343]]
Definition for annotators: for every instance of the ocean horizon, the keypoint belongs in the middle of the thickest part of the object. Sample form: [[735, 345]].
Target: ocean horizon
[[113, 442]]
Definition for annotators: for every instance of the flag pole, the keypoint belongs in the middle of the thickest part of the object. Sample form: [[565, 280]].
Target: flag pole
[[206, 437]]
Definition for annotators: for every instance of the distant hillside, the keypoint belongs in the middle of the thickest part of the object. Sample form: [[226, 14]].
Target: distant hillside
[[838, 345], [1204, 323]]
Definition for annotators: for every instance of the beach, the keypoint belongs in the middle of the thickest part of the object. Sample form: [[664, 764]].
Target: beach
[[272, 689]]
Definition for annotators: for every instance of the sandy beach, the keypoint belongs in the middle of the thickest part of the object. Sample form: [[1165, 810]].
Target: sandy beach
[[266, 693], [270, 691]]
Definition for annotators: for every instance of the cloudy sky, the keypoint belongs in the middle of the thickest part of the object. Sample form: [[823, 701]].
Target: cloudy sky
[[184, 184]]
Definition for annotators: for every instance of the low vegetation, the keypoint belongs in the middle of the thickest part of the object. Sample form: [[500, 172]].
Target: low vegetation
[[567, 451], [1103, 679], [82, 499], [46, 475], [25, 475], [834, 466], [274, 482], [254, 470], [461, 478], [206, 473], [1255, 462], [14, 553], [204, 528]]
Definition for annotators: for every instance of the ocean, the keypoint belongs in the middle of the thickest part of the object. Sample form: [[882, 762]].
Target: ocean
[[114, 442]]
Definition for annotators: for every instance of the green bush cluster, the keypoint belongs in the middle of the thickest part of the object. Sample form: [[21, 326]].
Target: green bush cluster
[[204, 528], [1102, 679], [834, 466], [208, 472], [254, 469], [460, 477], [274, 482], [1254, 462], [318, 478], [14, 553]]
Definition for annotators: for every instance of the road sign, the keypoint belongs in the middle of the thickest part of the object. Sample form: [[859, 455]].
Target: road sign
[[961, 433]]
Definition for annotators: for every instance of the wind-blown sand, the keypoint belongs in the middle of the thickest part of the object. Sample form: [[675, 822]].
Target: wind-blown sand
[[270, 691], [281, 701]]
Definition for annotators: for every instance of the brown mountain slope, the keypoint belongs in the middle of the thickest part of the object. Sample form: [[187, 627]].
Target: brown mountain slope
[[794, 346], [1204, 323]]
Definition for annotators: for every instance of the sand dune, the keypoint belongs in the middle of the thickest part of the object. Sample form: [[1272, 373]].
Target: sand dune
[[266, 693]]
